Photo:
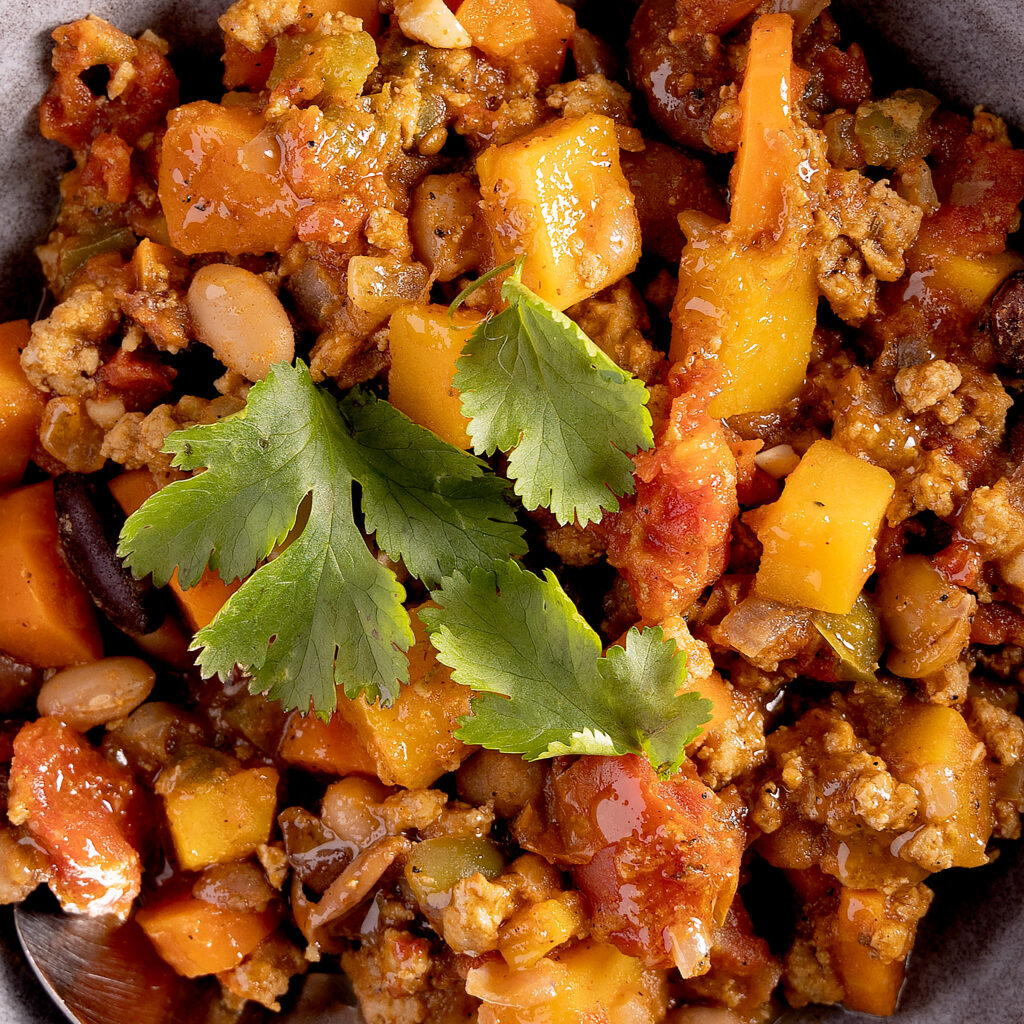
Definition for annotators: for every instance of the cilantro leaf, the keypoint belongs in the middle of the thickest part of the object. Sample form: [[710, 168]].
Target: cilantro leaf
[[533, 384], [545, 688], [425, 498], [324, 611]]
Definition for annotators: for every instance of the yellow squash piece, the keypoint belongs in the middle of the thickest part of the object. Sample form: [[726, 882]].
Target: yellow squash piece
[[819, 537], [21, 406], [590, 981], [747, 297], [425, 345], [558, 195], [217, 818]]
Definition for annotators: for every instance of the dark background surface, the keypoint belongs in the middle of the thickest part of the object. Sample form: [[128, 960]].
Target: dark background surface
[[968, 966]]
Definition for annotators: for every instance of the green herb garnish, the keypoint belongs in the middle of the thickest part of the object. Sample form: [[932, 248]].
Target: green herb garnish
[[534, 385], [545, 687], [324, 611]]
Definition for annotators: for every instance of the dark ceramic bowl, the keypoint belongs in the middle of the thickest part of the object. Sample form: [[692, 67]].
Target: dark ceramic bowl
[[968, 966]]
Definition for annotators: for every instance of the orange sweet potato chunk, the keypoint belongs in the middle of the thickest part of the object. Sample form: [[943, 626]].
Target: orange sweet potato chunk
[[221, 186], [535, 33], [21, 406], [200, 603], [46, 616], [332, 747], [198, 938]]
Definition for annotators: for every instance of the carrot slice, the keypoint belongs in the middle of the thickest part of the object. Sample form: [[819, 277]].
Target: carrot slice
[[21, 406]]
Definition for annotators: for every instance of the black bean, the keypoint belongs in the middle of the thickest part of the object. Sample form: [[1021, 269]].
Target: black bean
[[89, 521], [1007, 321]]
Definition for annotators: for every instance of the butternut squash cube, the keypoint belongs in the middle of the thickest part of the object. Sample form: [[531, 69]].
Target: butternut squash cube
[[589, 981], [220, 183], [411, 742], [198, 938], [535, 33], [750, 311], [333, 747], [819, 537], [425, 345], [214, 817], [21, 406], [931, 747], [558, 195]]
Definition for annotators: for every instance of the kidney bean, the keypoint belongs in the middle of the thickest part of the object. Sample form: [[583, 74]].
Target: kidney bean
[[89, 521]]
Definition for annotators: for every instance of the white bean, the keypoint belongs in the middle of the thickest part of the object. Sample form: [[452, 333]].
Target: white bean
[[241, 319], [85, 696]]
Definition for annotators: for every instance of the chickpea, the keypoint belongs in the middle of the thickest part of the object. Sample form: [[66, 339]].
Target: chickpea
[[241, 319], [928, 621]]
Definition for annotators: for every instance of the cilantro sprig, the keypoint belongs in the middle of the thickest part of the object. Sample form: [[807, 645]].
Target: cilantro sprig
[[544, 686], [534, 385], [325, 611]]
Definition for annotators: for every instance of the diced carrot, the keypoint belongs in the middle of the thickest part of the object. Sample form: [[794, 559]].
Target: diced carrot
[[46, 616], [535, 33], [767, 162], [199, 604], [198, 938], [332, 747], [76, 804], [21, 406]]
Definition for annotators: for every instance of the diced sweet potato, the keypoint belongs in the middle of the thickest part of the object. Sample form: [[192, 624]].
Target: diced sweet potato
[[931, 747], [871, 983], [221, 186], [331, 747], [559, 196], [425, 345], [535, 33], [411, 742], [81, 810], [46, 616], [200, 603], [198, 938], [217, 816], [819, 537], [21, 406]]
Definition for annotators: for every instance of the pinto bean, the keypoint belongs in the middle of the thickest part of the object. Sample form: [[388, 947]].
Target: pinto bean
[[89, 520], [85, 696], [241, 319], [1008, 321]]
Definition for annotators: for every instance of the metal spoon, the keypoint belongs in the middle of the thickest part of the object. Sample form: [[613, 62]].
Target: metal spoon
[[101, 972]]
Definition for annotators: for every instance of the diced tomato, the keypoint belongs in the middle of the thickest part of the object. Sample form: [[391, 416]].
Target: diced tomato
[[660, 858], [83, 811], [140, 381]]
